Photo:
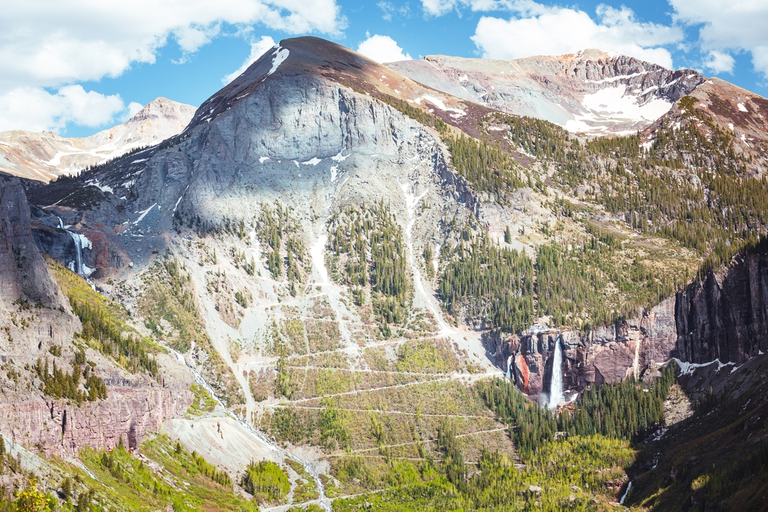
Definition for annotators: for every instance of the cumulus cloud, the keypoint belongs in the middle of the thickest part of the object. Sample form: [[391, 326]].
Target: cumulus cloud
[[131, 110], [257, 50], [50, 44], [728, 27], [382, 49], [719, 62], [557, 30], [35, 109]]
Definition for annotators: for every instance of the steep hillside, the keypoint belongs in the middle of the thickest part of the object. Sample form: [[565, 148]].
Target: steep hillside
[[45, 156], [345, 259]]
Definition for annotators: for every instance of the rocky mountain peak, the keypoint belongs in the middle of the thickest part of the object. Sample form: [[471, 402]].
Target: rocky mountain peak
[[590, 92], [163, 108], [44, 155]]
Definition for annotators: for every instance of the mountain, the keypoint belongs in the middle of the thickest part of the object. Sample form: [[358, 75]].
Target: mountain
[[589, 92], [366, 284], [44, 156]]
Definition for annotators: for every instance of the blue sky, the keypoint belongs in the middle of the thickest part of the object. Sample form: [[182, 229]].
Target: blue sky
[[78, 66]]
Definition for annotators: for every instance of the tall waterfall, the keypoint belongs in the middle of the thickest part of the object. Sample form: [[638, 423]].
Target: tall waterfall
[[509, 367], [556, 384], [81, 242]]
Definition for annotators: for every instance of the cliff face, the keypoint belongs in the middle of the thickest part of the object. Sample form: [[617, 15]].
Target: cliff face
[[23, 273], [35, 316], [606, 355], [62, 429], [725, 317]]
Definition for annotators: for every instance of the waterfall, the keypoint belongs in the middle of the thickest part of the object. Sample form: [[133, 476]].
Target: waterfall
[[629, 486], [81, 242], [556, 384], [509, 367]]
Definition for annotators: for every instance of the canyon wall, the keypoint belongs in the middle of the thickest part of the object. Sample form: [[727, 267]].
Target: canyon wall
[[62, 429], [724, 316]]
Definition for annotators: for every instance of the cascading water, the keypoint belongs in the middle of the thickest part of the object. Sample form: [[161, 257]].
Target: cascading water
[[556, 384], [81, 242], [509, 367]]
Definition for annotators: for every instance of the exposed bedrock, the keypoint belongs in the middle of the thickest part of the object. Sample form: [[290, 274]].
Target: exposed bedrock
[[607, 354], [725, 316], [62, 429]]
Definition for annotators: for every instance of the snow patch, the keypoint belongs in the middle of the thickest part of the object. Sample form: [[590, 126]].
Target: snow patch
[[263, 159], [742, 108], [730, 125], [614, 105], [340, 157], [334, 173], [280, 55], [318, 261], [438, 103], [688, 368], [313, 161], [103, 188], [144, 214]]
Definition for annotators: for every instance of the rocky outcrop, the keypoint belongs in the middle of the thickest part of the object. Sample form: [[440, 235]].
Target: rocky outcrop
[[23, 272], [607, 354], [62, 429], [725, 316]]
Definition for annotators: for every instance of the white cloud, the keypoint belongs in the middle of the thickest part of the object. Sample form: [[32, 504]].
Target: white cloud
[[730, 26], [389, 10], [440, 7], [35, 109], [556, 31], [47, 44], [719, 62], [257, 50], [131, 110], [382, 49]]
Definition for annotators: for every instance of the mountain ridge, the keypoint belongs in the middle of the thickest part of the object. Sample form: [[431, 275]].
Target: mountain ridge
[[45, 156]]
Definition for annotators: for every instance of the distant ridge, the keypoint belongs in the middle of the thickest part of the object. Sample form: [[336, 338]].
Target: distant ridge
[[44, 156]]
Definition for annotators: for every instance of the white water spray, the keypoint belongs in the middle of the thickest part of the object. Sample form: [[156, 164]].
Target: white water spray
[[509, 367], [556, 384], [81, 242], [629, 486]]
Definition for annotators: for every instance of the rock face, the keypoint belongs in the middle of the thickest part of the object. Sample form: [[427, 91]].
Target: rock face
[[607, 354], [34, 316], [44, 156], [725, 317], [62, 430], [586, 92], [23, 272]]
